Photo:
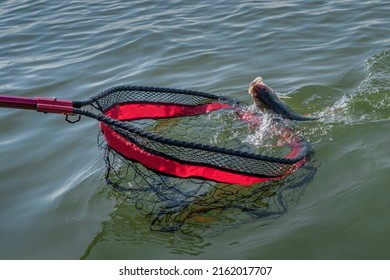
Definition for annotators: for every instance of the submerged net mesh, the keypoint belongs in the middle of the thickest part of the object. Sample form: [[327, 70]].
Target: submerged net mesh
[[231, 138], [192, 206]]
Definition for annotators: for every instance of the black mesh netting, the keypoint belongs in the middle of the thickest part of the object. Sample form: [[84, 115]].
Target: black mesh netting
[[238, 155], [137, 94], [222, 139]]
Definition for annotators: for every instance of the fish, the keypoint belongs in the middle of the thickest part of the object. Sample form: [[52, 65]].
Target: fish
[[266, 99]]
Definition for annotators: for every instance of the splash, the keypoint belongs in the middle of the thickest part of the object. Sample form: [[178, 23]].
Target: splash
[[252, 131], [370, 101], [362, 103], [264, 131]]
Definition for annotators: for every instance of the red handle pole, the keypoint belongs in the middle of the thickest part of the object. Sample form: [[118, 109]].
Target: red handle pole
[[40, 104], [18, 102]]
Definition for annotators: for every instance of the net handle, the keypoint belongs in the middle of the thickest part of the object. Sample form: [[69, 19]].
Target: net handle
[[40, 104]]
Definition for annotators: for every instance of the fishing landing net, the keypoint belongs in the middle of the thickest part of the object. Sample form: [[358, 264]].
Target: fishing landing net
[[185, 157], [180, 155]]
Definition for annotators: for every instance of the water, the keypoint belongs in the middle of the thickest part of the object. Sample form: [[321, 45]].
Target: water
[[331, 57]]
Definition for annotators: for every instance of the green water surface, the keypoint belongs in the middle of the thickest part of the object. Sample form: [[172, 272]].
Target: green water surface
[[331, 57]]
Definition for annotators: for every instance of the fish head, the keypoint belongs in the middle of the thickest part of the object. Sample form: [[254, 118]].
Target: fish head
[[261, 93]]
